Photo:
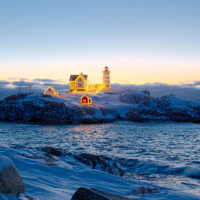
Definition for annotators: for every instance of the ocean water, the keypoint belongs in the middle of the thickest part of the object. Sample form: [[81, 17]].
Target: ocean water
[[165, 154]]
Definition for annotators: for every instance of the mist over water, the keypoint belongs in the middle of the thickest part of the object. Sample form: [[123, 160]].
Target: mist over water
[[166, 154]]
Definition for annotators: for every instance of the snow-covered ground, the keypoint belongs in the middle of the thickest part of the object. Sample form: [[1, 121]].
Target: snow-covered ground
[[106, 106], [106, 99], [57, 178]]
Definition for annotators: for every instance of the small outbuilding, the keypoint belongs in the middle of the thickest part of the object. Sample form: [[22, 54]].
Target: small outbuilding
[[85, 100], [51, 92]]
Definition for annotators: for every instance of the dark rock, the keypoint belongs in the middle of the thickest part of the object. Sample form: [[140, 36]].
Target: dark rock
[[52, 151], [42, 109], [10, 180], [93, 194], [166, 108], [142, 107], [99, 161]]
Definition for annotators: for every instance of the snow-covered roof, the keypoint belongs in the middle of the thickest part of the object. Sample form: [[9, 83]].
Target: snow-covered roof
[[50, 89], [74, 77]]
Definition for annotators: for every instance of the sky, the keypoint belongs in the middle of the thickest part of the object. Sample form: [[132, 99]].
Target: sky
[[141, 41]]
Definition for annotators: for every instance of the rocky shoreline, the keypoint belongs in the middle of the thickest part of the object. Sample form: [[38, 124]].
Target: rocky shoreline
[[136, 107], [53, 173]]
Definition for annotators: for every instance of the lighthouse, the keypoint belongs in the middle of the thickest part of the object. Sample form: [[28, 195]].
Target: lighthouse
[[106, 78]]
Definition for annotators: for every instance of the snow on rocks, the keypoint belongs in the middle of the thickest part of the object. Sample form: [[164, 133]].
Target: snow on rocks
[[5, 163], [106, 107], [10, 180], [62, 180], [130, 97]]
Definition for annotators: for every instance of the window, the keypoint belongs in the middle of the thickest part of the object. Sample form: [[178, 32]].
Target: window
[[80, 83]]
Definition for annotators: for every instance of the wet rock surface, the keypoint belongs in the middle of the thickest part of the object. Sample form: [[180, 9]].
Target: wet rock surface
[[94, 194], [101, 162], [52, 151]]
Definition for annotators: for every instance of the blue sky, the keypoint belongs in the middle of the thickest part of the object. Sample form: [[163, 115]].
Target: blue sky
[[141, 40]]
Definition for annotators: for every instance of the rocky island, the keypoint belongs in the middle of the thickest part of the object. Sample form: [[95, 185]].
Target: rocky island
[[107, 106]]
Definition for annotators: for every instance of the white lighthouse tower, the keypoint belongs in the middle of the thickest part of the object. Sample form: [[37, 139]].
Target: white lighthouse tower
[[106, 78]]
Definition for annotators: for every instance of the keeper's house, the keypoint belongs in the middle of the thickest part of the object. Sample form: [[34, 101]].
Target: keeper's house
[[79, 83]]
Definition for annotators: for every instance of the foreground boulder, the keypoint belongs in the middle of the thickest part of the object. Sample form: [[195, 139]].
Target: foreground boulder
[[10, 180], [93, 194]]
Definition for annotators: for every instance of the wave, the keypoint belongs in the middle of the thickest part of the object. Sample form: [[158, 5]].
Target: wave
[[193, 171], [120, 166]]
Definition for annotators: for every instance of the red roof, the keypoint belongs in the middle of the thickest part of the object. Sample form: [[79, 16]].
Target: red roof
[[85, 99]]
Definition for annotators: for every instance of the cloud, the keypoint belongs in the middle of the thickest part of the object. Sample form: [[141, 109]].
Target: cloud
[[44, 80], [57, 86], [12, 87], [4, 83], [196, 83], [189, 91], [24, 83], [39, 84]]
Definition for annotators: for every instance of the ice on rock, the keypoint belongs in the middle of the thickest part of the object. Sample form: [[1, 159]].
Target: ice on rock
[[10, 180], [5, 163]]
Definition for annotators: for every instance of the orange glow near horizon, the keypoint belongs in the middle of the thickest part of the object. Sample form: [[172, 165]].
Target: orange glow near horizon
[[140, 41], [123, 72]]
